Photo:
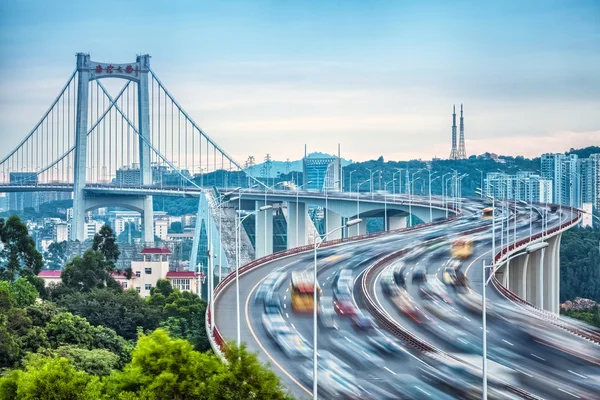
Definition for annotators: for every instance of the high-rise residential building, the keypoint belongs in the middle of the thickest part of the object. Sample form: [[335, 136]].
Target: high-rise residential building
[[161, 228], [589, 170], [565, 172], [129, 176], [93, 227], [525, 185], [61, 232], [570, 187]]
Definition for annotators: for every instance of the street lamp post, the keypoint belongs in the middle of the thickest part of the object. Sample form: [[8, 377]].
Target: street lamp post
[[316, 246], [445, 192], [398, 171], [430, 202], [326, 213], [481, 172], [351, 172], [385, 219], [494, 267], [237, 267]]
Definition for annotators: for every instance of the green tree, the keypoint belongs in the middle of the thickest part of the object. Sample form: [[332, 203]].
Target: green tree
[[184, 318], [49, 378], [99, 362], [56, 255], [165, 368], [91, 271], [125, 312], [24, 293], [18, 256], [106, 243], [176, 227], [246, 378]]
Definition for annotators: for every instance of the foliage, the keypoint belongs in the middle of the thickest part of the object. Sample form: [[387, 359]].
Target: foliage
[[106, 243], [91, 271], [166, 368], [580, 264], [176, 227], [99, 362], [585, 152], [24, 293], [18, 256], [49, 378], [56, 255], [591, 317], [125, 312]]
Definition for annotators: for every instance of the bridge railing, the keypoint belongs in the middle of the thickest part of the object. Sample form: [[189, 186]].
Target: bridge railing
[[546, 315]]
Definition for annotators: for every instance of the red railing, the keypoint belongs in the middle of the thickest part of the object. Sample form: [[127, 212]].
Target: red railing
[[548, 316]]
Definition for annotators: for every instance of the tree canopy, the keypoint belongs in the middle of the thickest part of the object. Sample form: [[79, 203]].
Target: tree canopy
[[18, 256]]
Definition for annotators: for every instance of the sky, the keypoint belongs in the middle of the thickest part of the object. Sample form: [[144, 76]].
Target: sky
[[378, 77]]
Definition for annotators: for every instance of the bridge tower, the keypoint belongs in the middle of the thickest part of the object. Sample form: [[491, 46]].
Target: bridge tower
[[89, 71]]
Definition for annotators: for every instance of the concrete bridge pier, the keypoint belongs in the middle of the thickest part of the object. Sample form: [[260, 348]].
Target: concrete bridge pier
[[334, 222], [263, 231], [297, 233], [396, 222]]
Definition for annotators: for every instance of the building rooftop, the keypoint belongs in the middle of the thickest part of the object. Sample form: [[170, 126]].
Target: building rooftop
[[50, 273], [181, 274], [156, 250]]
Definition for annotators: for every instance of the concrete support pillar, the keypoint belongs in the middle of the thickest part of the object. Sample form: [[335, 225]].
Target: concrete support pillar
[[552, 278], [263, 231], [81, 130], [506, 276], [362, 228], [531, 282], [396, 222], [148, 220], [144, 119], [335, 221], [521, 287], [540, 280], [297, 234]]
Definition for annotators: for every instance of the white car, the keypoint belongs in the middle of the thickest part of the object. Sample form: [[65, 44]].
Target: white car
[[327, 312]]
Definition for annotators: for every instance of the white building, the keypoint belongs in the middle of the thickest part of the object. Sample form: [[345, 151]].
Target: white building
[[587, 219], [61, 232], [145, 274], [161, 228], [93, 227]]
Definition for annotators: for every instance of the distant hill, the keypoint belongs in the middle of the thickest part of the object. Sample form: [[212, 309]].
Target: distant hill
[[585, 152], [295, 165]]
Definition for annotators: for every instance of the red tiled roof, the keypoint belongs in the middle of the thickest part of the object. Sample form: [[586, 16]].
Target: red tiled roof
[[156, 250], [50, 273], [181, 274]]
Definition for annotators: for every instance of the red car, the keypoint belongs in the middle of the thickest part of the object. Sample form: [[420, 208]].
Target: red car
[[344, 305]]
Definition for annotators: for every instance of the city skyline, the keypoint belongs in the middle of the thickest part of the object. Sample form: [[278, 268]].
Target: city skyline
[[280, 78]]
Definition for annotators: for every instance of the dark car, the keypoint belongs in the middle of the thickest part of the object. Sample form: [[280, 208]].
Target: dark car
[[419, 276], [363, 322], [399, 276]]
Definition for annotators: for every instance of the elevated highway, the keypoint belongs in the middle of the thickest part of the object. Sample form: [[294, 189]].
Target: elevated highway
[[529, 358]]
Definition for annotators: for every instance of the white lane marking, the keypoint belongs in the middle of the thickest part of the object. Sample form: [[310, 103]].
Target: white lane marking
[[523, 372], [284, 305], [328, 278], [294, 327], [506, 341], [579, 375], [389, 370], [287, 290], [538, 357], [284, 297], [564, 391], [287, 315], [466, 318], [421, 390]]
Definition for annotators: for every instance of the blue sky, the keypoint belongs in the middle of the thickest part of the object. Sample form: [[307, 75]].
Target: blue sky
[[379, 77]]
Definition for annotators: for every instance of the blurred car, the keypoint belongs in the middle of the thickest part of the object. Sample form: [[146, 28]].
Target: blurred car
[[344, 305], [290, 342], [355, 351], [386, 344], [431, 290], [336, 379], [441, 310], [419, 275], [449, 276], [326, 312], [363, 322], [269, 285], [398, 274], [406, 305], [272, 304]]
